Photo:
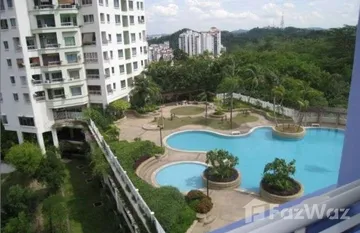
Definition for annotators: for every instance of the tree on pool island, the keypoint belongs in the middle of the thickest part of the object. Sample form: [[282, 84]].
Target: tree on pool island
[[222, 163], [277, 178]]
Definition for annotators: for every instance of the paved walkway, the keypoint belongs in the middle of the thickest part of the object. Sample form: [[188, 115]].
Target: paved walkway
[[229, 205]]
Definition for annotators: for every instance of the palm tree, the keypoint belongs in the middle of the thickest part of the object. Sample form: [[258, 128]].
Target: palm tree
[[255, 78], [145, 92], [205, 96], [303, 106], [278, 93]]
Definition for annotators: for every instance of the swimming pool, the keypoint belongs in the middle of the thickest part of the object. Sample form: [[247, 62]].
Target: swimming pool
[[317, 155], [183, 175]]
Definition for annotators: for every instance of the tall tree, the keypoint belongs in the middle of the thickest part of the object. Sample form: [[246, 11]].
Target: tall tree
[[145, 92]]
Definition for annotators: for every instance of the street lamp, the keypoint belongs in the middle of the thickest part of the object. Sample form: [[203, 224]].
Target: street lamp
[[160, 128], [207, 176]]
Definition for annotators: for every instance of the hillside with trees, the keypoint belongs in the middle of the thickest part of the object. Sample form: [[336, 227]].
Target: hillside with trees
[[313, 65]]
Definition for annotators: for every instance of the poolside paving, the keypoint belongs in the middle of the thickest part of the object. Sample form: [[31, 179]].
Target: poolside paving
[[229, 205]]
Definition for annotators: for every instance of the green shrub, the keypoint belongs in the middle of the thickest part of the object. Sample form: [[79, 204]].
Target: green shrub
[[278, 174], [222, 163], [56, 213], [204, 206], [18, 200], [147, 109], [19, 224], [194, 195]]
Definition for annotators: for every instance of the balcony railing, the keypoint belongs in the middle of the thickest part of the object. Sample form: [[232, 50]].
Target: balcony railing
[[67, 115], [36, 81], [39, 98], [91, 60], [34, 64], [31, 47], [50, 46], [45, 6], [94, 92], [298, 219], [67, 24], [46, 25], [92, 76], [68, 6]]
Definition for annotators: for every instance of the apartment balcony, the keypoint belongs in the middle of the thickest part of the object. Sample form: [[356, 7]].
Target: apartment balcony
[[39, 96], [67, 115], [68, 20], [46, 7], [51, 60], [62, 101]]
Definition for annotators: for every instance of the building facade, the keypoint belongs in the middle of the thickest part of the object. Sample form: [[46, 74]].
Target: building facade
[[196, 43], [59, 56], [160, 51]]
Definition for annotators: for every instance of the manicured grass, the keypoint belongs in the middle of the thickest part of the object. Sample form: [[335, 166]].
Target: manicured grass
[[213, 123], [187, 110], [80, 196]]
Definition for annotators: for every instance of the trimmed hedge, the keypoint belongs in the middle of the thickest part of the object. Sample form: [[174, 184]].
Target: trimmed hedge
[[168, 203], [199, 202]]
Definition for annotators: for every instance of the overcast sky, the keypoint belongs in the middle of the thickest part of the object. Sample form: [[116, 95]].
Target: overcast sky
[[167, 16]]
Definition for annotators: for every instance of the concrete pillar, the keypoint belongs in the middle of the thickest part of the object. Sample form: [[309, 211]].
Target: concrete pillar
[[350, 161], [55, 138], [41, 143], [20, 137]]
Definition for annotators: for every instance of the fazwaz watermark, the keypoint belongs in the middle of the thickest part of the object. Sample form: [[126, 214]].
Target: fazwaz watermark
[[315, 211]]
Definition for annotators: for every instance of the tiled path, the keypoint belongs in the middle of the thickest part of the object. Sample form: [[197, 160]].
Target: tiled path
[[229, 205]]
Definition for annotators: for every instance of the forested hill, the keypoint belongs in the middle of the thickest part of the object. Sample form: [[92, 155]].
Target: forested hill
[[172, 38]]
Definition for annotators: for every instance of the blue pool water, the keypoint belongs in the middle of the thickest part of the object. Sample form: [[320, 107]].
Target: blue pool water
[[184, 176], [317, 155]]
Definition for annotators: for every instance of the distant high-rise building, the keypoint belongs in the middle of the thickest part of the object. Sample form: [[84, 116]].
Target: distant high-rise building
[[196, 43], [160, 51]]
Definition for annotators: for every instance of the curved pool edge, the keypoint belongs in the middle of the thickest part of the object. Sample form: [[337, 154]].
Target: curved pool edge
[[226, 135], [153, 175]]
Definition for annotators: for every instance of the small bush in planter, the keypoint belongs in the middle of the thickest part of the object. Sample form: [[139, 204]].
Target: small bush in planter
[[222, 166], [194, 195], [198, 201], [277, 178]]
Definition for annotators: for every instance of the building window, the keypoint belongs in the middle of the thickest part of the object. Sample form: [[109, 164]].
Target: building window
[[10, 3], [102, 18], [74, 74], [1, 98], [88, 18], [141, 49], [135, 64], [120, 53], [9, 63], [117, 19], [26, 97], [92, 74], [142, 63], [116, 3], [108, 18], [123, 84], [94, 90], [113, 70], [16, 96], [89, 38], [71, 57], [106, 55], [13, 23], [69, 41], [122, 69], [111, 55], [119, 38], [91, 57], [138, 5], [4, 119], [101, 2], [2, 5], [75, 91], [139, 35], [131, 5], [4, 24], [114, 86], [23, 80], [109, 89], [6, 45], [133, 51], [107, 2], [132, 20], [133, 37], [86, 2], [109, 36], [142, 5], [26, 121], [20, 63], [12, 79]]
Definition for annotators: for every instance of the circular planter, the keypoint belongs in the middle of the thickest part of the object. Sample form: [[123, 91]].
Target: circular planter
[[223, 185], [273, 198], [289, 135]]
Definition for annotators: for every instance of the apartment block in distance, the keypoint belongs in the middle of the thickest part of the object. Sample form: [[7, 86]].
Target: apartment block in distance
[[60, 56], [159, 52], [196, 43]]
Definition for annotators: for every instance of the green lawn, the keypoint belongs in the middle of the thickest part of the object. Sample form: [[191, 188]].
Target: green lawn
[[187, 110], [83, 216], [213, 123]]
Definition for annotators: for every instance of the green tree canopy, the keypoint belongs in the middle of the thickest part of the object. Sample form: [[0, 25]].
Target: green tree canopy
[[26, 157]]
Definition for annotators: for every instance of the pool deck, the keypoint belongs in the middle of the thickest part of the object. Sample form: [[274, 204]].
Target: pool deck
[[229, 205], [224, 210]]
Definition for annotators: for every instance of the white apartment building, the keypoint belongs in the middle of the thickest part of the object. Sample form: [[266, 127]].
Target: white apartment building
[[160, 51], [196, 43], [59, 56]]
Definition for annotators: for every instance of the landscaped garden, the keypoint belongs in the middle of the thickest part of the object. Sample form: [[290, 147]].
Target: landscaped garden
[[178, 122], [187, 110]]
